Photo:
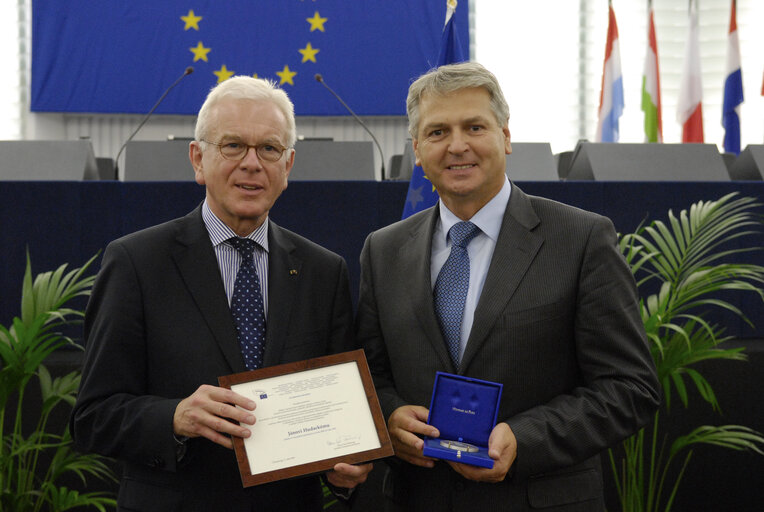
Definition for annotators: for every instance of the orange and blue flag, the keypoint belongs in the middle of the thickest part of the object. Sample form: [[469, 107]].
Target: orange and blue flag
[[733, 89], [611, 93]]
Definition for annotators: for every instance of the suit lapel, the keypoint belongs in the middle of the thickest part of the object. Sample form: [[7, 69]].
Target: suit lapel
[[515, 249], [199, 269], [283, 273], [414, 257]]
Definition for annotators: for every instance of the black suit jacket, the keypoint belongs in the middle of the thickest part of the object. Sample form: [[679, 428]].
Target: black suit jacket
[[557, 323], [158, 325]]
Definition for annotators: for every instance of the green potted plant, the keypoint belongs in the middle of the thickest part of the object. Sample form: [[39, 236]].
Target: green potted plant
[[689, 261], [32, 463]]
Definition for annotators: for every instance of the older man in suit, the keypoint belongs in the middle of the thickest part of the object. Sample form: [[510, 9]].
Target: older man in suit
[[219, 291], [548, 308]]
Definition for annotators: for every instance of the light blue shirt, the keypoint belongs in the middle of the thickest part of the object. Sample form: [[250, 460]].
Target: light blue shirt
[[229, 259], [480, 250]]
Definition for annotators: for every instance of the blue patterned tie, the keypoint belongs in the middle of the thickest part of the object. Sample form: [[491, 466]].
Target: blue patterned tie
[[451, 287], [247, 305]]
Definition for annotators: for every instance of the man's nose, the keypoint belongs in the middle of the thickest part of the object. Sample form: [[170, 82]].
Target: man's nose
[[251, 160], [458, 142]]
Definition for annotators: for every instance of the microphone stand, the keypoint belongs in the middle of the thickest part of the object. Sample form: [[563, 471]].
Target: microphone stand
[[320, 79], [188, 71]]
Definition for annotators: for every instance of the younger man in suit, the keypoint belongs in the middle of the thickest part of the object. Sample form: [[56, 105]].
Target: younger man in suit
[[167, 317], [498, 285]]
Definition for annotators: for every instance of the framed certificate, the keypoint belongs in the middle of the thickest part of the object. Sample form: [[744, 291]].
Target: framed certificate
[[311, 415]]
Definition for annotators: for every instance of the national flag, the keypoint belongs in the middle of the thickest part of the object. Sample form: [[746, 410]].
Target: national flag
[[733, 88], [422, 194], [611, 92], [116, 56], [651, 84], [689, 111]]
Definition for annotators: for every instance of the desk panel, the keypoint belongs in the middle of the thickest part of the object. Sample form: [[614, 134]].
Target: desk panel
[[70, 221]]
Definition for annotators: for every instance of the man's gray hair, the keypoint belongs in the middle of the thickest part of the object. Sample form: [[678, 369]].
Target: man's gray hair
[[247, 88], [451, 78]]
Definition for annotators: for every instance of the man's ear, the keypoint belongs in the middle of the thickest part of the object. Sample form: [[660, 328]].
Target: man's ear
[[289, 165], [415, 145], [195, 156]]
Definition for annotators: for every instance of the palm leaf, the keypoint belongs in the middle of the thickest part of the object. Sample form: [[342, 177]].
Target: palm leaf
[[62, 498], [693, 257], [26, 483], [735, 437]]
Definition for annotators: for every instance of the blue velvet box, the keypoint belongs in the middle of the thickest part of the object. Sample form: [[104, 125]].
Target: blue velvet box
[[464, 410]]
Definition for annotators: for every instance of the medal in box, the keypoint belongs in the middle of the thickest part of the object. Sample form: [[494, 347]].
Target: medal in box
[[464, 411]]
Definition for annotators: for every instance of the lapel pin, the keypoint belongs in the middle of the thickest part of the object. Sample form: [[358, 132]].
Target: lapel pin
[[293, 272]]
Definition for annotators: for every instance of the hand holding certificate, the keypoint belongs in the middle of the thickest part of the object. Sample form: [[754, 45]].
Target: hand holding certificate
[[310, 415]]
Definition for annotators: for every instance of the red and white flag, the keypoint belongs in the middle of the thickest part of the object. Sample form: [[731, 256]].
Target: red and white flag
[[689, 111]]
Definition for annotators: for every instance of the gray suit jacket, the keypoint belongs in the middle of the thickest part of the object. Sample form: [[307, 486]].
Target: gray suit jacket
[[158, 325], [557, 323]]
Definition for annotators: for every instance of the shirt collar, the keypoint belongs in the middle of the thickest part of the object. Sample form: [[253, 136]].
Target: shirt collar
[[220, 232], [488, 218]]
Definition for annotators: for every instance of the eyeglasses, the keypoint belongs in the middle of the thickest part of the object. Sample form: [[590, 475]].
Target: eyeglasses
[[236, 150]]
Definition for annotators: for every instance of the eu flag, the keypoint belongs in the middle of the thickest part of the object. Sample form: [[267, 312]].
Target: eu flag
[[422, 194], [115, 56]]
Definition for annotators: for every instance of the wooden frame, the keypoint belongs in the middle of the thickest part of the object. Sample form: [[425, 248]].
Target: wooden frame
[[296, 368]]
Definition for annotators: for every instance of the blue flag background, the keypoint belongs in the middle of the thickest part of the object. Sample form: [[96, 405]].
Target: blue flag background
[[115, 56], [421, 194]]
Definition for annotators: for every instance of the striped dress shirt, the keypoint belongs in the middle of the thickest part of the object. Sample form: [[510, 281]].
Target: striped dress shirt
[[229, 259]]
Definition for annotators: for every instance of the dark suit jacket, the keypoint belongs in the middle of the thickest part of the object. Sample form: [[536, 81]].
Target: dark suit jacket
[[158, 325], [557, 323]]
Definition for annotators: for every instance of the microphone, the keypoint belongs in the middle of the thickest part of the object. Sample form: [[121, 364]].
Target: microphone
[[320, 79], [188, 71]]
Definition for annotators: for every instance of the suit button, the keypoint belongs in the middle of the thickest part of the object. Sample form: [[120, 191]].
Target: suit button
[[156, 462]]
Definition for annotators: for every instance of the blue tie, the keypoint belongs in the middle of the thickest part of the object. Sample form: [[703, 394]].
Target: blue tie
[[247, 305], [451, 287]]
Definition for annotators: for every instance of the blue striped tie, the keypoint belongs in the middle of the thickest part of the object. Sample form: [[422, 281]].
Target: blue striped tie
[[247, 305], [451, 286]]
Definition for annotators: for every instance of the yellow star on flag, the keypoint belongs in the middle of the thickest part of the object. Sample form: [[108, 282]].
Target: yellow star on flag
[[309, 53], [223, 74], [192, 20], [286, 75], [316, 22], [200, 52]]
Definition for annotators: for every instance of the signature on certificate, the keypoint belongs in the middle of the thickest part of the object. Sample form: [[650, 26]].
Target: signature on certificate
[[344, 441]]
